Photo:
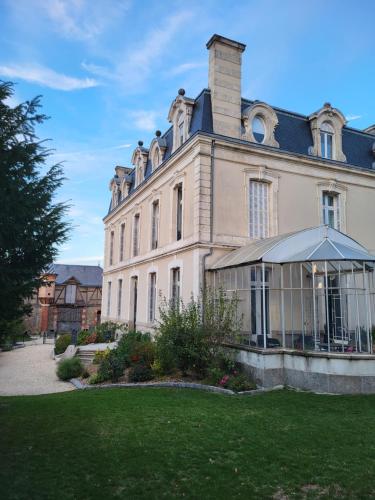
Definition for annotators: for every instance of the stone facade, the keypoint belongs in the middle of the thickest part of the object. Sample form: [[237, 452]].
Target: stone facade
[[186, 201]]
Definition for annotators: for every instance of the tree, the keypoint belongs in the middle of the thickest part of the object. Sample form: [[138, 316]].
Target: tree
[[32, 223]]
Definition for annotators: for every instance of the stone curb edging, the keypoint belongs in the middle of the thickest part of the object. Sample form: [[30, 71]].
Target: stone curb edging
[[180, 385]]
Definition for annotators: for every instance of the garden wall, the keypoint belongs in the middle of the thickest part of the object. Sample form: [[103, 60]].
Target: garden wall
[[314, 371]]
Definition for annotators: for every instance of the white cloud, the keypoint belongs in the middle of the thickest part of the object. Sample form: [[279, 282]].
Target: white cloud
[[144, 120], [46, 77], [81, 19], [185, 67], [350, 118]]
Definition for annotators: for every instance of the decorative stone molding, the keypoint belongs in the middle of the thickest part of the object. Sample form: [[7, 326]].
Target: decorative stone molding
[[270, 120], [334, 187], [139, 160], [336, 120], [158, 148], [179, 114], [263, 174]]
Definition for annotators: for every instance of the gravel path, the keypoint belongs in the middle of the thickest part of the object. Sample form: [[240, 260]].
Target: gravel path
[[30, 370]]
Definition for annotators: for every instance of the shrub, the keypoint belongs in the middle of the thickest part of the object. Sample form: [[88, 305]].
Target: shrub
[[62, 343], [96, 378], [69, 368], [82, 337], [135, 347], [111, 367], [140, 373], [100, 355], [106, 331]]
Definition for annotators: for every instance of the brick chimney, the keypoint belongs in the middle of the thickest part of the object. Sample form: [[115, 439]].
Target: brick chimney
[[224, 81]]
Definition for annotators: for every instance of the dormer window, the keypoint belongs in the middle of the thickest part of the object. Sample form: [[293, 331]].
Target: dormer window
[[326, 129], [258, 128], [326, 140], [181, 133], [180, 116]]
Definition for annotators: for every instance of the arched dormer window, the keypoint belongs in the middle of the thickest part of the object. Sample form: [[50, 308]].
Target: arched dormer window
[[326, 140], [326, 129], [157, 150], [139, 160], [260, 121], [180, 116]]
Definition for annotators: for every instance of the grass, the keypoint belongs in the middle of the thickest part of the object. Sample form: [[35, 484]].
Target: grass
[[169, 443]]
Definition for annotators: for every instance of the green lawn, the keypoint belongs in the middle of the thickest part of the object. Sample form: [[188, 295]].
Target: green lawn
[[168, 443]]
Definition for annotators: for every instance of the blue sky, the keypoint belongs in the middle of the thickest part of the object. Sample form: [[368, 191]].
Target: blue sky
[[108, 71]]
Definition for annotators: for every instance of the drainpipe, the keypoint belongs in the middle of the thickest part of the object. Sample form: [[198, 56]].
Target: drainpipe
[[210, 251]]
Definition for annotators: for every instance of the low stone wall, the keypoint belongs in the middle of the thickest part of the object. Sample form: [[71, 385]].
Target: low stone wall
[[314, 371]]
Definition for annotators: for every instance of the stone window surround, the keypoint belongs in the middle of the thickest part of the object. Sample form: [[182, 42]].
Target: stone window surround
[[153, 269], [176, 263], [263, 174], [270, 120], [178, 178], [156, 196], [333, 187], [180, 111], [332, 116]]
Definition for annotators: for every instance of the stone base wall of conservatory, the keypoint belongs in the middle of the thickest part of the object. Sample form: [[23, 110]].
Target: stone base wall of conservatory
[[313, 371]]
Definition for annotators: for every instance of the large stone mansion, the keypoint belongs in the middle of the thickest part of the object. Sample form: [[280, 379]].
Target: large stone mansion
[[228, 171]]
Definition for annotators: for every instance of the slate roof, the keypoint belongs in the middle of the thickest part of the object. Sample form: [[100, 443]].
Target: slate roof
[[86, 275], [293, 134]]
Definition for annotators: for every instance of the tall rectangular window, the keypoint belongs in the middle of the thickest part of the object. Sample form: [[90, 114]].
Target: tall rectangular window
[[152, 298], [122, 242], [326, 140], [179, 212], [119, 298], [259, 210], [111, 248], [330, 207], [70, 294], [109, 298], [181, 133], [175, 288], [136, 235], [155, 225]]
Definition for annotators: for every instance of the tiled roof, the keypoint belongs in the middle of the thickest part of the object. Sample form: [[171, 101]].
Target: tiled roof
[[293, 134], [86, 275]]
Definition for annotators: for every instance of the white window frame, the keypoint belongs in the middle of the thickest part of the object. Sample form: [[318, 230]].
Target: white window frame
[[119, 297], [152, 296], [122, 241], [136, 234], [109, 291], [259, 206], [155, 224], [111, 245]]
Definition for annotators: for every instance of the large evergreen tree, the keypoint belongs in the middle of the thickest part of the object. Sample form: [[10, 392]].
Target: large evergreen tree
[[32, 223]]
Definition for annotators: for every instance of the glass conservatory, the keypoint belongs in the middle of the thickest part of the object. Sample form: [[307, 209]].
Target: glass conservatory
[[312, 290]]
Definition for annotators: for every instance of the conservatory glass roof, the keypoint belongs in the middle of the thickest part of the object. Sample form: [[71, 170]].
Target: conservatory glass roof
[[309, 245]]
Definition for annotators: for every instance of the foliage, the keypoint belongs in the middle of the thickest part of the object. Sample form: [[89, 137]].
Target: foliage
[[69, 368], [82, 337], [190, 336], [100, 356], [96, 378], [62, 343], [111, 367], [31, 221], [106, 331], [140, 373], [135, 347]]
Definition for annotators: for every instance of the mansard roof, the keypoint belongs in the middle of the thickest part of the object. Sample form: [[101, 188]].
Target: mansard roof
[[85, 275], [293, 134]]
